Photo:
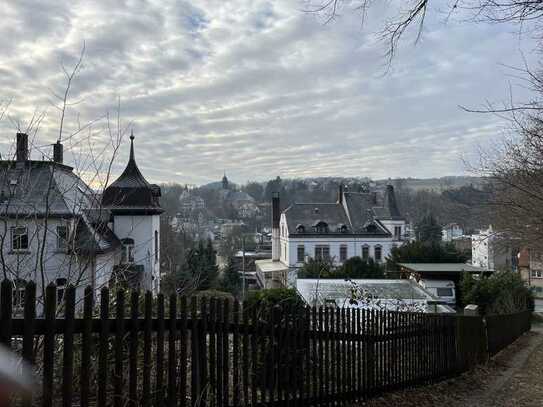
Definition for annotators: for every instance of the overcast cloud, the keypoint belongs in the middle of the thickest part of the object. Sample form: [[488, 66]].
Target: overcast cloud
[[255, 88]]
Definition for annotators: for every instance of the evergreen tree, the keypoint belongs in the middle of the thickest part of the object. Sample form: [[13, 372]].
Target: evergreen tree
[[428, 230], [231, 280]]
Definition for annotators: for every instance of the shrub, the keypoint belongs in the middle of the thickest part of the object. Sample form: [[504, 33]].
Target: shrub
[[500, 293]]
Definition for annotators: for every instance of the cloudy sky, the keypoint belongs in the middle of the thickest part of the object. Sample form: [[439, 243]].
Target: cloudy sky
[[256, 88]]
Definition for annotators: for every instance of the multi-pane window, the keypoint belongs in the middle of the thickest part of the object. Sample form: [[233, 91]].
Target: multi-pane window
[[300, 254], [378, 251], [62, 238], [19, 238], [537, 273], [322, 252], [127, 255], [397, 232], [343, 253], [365, 252]]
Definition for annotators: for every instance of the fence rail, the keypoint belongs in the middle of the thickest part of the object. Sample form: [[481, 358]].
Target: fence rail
[[137, 350]]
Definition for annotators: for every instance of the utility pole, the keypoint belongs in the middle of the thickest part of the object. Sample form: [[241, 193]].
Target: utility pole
[[243, 266]]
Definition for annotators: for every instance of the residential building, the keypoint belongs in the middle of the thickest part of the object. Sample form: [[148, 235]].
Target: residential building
[[357, 224], [491, 251], [57, 229], [451, 231]]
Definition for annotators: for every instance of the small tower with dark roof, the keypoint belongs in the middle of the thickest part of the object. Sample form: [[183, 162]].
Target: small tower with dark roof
[[135, 211], [224, 182]]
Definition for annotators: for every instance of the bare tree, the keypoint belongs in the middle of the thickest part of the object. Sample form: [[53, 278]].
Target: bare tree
[[412, 14]]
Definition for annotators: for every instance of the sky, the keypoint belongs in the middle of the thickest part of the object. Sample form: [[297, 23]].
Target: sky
[[253, 88]]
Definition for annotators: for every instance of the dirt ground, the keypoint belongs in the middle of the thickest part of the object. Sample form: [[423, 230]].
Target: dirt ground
[[513, 378]]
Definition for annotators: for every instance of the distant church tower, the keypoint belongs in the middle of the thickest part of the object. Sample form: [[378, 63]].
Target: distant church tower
[[224, 182], [135, 212]]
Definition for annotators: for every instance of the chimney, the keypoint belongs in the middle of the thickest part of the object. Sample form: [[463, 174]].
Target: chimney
[[58, 152], [340, 194], [22, 147], [276, 217]]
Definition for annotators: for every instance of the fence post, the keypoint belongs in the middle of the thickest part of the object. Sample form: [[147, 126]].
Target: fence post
[[49, 344], [28, 338], [6, 314], [68, 353]]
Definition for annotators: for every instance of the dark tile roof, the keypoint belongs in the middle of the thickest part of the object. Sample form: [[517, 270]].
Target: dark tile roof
[[39, 188], [358, 211], [131, 191], [309, 214]]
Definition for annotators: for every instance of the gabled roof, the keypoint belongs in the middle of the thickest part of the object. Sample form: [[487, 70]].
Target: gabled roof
[[358, 211], [131, 191]]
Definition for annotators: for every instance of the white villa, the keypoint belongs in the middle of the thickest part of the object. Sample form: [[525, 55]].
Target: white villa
[[57, 229], [357, 224]]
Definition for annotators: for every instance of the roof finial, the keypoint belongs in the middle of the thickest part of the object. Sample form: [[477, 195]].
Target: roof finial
[[132, 144]]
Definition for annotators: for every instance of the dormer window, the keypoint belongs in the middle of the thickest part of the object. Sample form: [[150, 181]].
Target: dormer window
[[321, 227], [300, 229], [342, 228], [127, 255]]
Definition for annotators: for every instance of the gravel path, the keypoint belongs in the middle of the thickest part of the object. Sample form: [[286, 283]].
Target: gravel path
[[512, 378]]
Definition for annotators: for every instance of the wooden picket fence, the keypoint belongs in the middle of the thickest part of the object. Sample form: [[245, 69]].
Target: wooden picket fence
[[138, 350]]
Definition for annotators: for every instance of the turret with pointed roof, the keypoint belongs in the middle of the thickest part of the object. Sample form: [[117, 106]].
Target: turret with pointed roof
[[131, 193]]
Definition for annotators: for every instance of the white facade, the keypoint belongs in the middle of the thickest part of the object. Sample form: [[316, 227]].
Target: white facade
[[489, 252], [354, 247], [144, 230], [451, 232]]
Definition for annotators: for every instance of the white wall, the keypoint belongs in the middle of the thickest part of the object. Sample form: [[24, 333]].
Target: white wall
[[354, 247], [142, 229], [26, 265]]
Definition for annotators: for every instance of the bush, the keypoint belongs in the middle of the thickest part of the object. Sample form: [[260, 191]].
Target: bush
[[266, 299], [421, 252], [500, 293]]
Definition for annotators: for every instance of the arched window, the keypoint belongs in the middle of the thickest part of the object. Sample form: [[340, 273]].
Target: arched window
[[378, 253], [365, 252], [127, 255], [300, 229], [321, 227]]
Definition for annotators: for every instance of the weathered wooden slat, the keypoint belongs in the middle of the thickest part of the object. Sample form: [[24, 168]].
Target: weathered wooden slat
[[203, 346], [183, 354], [194, 354], [147, 343], [220, 352], [68, 351], [235, 355], [172, 352], [118, 382], [226, 354], [159, 367], [48, 345], [6, 314], [245, 354], [28, 336], [133, 350], [103, 350]]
